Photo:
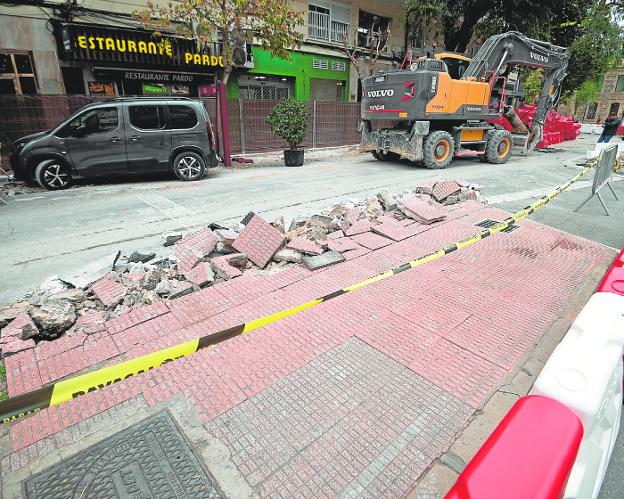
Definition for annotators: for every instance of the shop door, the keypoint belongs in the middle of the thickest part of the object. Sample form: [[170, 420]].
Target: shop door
[[327, 90], [95, 141], [148, 142]]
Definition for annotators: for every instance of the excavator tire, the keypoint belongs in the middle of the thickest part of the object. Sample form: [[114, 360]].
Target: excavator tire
[[498, 147], [438, 150], [386, 156]]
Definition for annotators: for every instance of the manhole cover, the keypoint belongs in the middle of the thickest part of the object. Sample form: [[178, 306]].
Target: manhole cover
[[149, 459]]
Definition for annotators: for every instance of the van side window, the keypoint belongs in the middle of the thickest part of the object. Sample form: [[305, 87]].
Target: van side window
[[182, 117], [101, 120], [147, 117]]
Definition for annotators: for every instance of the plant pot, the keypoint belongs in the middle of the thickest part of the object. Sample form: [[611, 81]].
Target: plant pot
[[293, 157]]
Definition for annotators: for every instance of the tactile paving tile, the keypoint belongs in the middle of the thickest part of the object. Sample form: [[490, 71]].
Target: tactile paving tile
[[442, 190], [347, 423], [259, 240]]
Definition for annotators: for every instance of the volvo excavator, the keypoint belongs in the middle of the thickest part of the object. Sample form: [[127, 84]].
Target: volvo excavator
[[436, 118]]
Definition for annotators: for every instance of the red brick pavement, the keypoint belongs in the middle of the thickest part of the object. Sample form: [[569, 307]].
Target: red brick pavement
[[460, 323]]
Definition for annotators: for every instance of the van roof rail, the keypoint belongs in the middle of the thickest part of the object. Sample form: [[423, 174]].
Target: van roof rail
[[122, 99]]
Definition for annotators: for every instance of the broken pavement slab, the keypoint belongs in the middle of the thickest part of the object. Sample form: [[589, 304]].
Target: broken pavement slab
[[371, 241], [224, 269], [202, 275], [259, 240], [343, 244], [398, 231], [359, 227], [180, 288], [442, 190], [109, 292], [22, 327], [422, 210], [324, 260], [305, 245]]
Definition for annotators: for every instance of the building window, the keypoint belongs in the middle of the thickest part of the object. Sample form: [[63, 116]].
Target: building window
[[619, 85], [614, 108], [372, 30], [17, 74], [329, 23]]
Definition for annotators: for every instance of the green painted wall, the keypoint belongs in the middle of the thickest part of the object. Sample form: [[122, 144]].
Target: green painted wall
[[300, 67]]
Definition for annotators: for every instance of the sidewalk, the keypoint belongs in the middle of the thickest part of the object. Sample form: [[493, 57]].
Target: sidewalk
[[356, 397]]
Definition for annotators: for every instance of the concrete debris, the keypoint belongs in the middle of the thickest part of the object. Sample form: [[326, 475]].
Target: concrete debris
[[152, 278], [324, 260], [387, 200], [180, 288], [141, 257], [73, 295], [163, 288], [279, 224], [170, 238], [21, 327], [288, 255], [52, 285], [81, 303], [54, 317]]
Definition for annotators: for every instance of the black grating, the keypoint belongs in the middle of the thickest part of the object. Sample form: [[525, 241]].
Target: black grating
[[488, 222]]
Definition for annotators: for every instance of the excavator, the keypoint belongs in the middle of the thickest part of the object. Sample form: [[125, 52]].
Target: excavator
[[437, 118]]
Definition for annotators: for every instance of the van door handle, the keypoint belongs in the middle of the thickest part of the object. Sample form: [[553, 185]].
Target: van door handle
[[114, 140], [134, 138]]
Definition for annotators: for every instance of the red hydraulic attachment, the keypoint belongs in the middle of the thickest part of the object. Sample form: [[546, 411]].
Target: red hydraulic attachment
[[528, 455], [613, 281]]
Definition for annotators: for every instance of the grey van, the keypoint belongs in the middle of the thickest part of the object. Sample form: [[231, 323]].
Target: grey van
[[120, 136]]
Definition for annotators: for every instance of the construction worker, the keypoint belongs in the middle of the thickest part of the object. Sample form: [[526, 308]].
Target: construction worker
[[611, 125]]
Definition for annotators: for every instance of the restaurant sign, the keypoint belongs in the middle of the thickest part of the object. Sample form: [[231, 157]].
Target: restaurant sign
[[97, 43]]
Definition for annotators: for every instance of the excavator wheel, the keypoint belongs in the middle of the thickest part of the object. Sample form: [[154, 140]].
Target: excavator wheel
[[438, 150], [386, 156], [498, 147]]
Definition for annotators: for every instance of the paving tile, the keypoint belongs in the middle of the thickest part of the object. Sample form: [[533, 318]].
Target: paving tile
[[371, 241], [222, 267], [108, 291], [422, 210], [398, 231], [259, 240], [343, 244], [359, 227]]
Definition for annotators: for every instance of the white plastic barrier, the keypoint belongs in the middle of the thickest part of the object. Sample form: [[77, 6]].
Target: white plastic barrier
[[585, 373], [598, 148], [591, 128]]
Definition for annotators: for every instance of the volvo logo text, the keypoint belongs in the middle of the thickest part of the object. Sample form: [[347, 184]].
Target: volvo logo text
[[538, 57], [380, 93]]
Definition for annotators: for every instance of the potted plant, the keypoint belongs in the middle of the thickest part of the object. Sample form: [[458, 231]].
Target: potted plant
[[289, 121]]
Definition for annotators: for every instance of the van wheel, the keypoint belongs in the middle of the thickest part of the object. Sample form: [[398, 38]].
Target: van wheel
[[498, 148], [386, 156], [189, 166], [53, 175], [438, 150]]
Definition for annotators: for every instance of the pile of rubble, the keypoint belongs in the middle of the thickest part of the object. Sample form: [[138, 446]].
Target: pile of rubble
[[216, 254]]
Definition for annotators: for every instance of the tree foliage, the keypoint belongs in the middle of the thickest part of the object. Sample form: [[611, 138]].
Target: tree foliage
[[271, 24], [589, 28]]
